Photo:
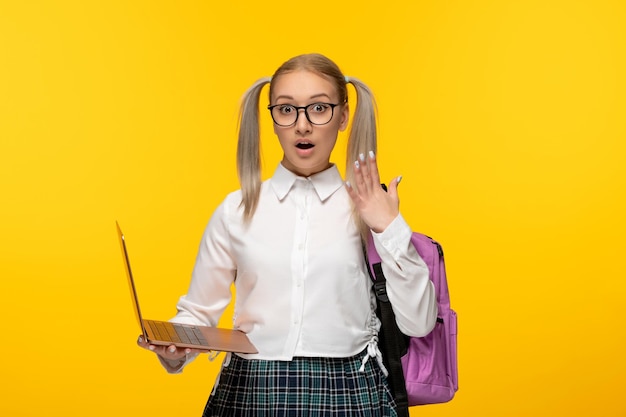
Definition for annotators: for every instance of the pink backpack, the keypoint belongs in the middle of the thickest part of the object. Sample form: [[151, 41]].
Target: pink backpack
[[425, 366]]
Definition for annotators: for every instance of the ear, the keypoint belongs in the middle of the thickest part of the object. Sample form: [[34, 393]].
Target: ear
[[345, 116]]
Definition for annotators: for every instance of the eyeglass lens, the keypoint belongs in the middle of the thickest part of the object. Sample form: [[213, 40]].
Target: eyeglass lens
[[316, 113]]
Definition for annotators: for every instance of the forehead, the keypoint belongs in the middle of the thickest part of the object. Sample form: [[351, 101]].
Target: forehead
[[302, 85]]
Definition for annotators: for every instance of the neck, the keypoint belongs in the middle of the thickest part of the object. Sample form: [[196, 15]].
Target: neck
[[305, 171]]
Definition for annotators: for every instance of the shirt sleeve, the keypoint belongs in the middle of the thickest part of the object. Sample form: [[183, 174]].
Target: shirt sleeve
[[209, 292], [410, 291]]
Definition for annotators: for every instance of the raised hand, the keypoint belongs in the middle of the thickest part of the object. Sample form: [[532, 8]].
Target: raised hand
[[376, 207]]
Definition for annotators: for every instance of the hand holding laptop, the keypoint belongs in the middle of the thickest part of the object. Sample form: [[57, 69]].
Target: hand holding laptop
[[173, 341], [169, 353]]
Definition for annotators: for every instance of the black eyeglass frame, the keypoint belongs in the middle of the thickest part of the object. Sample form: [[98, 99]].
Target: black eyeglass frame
[[306, 113]]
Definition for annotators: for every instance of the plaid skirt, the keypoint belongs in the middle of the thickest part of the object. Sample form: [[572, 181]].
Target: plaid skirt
[[302, 387]]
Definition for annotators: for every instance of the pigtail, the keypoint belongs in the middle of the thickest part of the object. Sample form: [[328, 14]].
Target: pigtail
[[362, 138], [249, 149]]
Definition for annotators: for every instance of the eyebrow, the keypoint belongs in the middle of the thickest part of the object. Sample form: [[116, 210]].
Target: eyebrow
[[312, 97]]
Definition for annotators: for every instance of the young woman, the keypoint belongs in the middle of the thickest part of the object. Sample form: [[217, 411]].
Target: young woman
[[292, 247]]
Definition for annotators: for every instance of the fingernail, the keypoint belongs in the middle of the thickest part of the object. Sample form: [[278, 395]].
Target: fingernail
[[172, 349], [371, 153], [348, 184], [140, 339], [362, 157], [151, 347], [356, 164], [399, 179]]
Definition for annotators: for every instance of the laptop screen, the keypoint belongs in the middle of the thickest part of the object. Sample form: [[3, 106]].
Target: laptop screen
[[131, 282]]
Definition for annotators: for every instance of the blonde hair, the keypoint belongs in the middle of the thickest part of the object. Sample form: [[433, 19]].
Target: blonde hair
[[361, 140]]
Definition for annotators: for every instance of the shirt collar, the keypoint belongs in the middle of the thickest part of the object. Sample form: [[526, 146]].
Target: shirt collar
[[325, 183]]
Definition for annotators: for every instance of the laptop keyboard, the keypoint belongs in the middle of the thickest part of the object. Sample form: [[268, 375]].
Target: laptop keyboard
[[177, 333]]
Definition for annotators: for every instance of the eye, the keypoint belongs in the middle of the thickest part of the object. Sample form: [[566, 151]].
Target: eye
[[318, 107], [286, 109]]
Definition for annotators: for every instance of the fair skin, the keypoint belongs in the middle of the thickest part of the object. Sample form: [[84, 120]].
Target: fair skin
[[306, 151], [376, 207], [301, 88]]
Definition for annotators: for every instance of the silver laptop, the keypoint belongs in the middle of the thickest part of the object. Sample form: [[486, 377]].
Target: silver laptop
[[183, 335]]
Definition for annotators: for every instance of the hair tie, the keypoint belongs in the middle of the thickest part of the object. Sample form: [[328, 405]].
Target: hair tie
[[347, 79]]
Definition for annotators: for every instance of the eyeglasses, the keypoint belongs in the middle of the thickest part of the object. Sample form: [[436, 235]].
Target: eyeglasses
[[316, 113]]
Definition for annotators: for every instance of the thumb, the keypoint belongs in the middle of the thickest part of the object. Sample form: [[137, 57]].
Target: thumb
[[393, 187]]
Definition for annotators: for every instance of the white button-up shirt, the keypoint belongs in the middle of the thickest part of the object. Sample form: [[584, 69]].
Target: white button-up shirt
[[300, 278]]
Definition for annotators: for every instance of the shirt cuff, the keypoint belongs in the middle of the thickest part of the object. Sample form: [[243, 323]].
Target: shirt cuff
[[395, 237], [173, 367], [176, 366]]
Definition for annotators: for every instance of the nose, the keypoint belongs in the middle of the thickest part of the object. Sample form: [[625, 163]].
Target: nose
[[302, 124]]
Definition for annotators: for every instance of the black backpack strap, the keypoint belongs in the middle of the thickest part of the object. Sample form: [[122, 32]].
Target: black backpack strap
[[392, 343]]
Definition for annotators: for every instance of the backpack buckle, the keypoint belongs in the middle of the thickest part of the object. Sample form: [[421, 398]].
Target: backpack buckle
[[380, 289]]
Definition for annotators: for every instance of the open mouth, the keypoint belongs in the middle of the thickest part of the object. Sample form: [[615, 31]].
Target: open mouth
[[304, 145]]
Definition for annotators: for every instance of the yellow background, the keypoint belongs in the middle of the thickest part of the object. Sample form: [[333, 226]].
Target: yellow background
[[506, 119]]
